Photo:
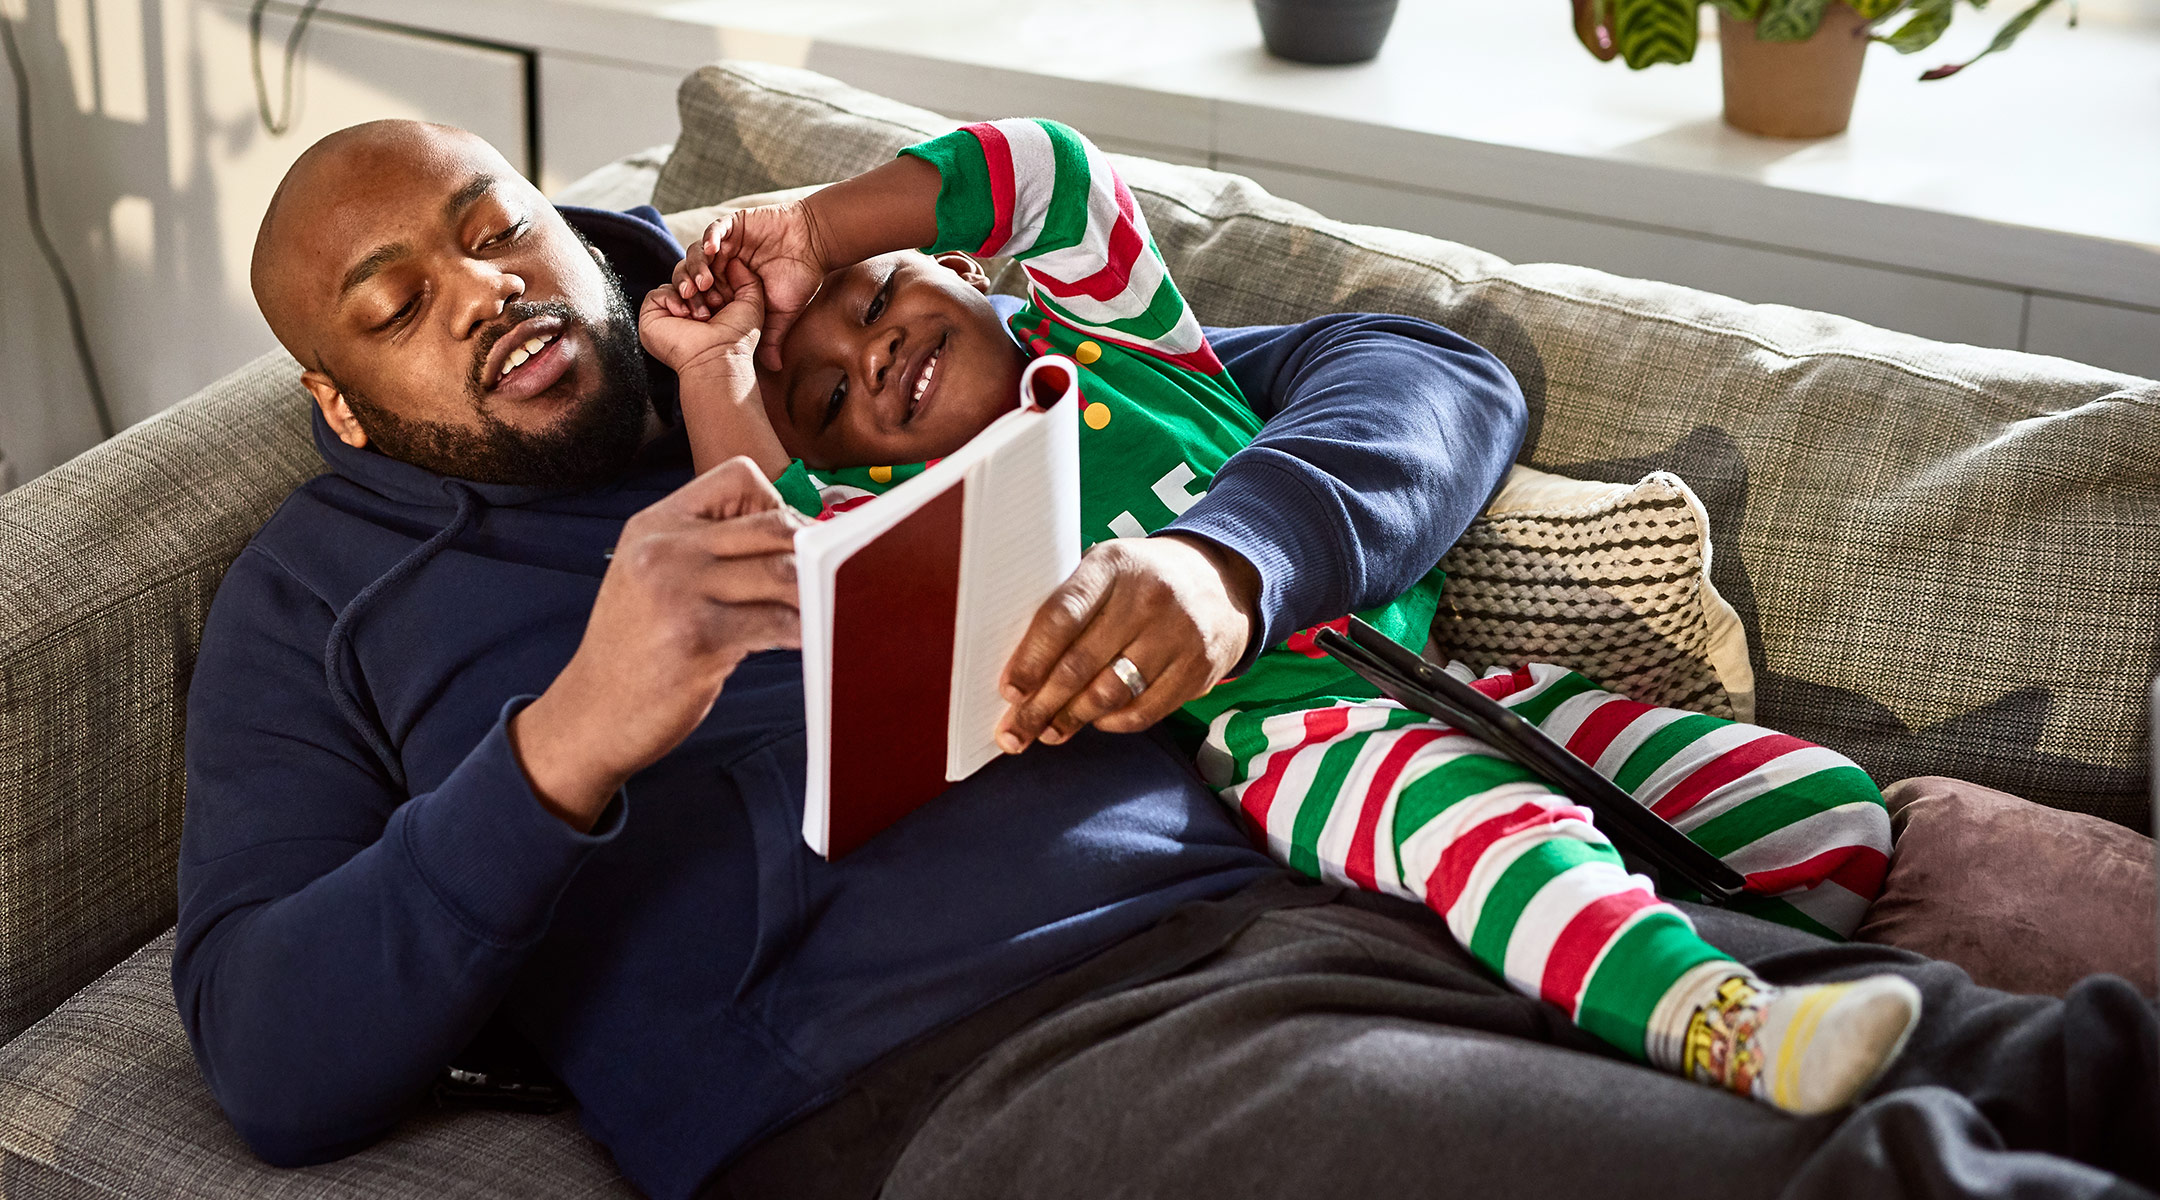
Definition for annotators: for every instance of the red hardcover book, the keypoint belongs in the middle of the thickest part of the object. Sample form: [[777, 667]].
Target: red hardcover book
[[912, 603]]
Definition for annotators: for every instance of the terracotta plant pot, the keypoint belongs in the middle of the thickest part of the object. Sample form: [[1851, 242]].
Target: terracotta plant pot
[[1793, 89]]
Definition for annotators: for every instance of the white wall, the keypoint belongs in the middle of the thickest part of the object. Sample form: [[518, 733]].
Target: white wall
[[154, 169]]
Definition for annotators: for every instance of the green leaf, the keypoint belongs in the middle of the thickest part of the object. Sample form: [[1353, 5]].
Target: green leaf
[[1790, 20], [1928, 20], [1654, 31], [2003, 38], [1875, 10], [1743, 10]]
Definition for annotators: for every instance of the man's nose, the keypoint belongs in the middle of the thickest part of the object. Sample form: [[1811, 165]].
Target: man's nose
[[482, 294]]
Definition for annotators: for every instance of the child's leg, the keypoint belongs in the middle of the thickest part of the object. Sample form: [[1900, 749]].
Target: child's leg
[[1371, 794], [1806, 826]]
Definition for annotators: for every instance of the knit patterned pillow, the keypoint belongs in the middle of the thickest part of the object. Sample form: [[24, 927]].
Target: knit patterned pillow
[[1609, 579]]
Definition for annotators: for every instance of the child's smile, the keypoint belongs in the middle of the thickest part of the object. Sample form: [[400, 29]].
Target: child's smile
[[899, 359]]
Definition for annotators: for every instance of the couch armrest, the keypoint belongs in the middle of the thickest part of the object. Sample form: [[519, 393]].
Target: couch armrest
[[111, 561]]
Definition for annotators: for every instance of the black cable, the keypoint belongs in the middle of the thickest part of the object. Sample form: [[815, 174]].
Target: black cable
[[37, 229], [283, 121]]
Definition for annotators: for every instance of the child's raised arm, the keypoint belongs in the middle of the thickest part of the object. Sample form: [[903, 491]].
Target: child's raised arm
[[710, 351]]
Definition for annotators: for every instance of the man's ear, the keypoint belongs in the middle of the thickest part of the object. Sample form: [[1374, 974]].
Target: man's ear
[[967, 269], [334, 409]]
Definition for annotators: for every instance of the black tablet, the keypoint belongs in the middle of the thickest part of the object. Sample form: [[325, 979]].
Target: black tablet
[[1637, 832]]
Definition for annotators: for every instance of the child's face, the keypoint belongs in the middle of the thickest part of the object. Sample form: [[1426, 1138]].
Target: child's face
[[899, 359]]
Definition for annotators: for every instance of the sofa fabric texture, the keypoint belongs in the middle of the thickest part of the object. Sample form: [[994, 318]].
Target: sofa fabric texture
[[2025, 898], [1944, 555], [103, 1099], [111, 562]]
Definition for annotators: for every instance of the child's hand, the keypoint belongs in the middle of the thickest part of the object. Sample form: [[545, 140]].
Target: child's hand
[[711, 351], [780, 246], [716, 332]]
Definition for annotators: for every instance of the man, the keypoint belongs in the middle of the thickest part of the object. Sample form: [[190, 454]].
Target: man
[[486, 726]]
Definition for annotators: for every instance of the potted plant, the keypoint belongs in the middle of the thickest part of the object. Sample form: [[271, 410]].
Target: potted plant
[[1791, 66]]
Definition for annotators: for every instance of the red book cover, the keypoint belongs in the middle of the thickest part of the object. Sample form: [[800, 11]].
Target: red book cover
[[893, 607], [912, 603]]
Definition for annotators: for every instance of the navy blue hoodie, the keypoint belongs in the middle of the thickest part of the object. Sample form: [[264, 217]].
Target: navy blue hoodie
[[366, 877]]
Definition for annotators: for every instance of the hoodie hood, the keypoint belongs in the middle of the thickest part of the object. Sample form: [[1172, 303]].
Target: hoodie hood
[[643, 255]]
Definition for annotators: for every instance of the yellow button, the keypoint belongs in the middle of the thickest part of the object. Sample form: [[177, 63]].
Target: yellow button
[[881, 474], [1088, 352], [1096, 415]]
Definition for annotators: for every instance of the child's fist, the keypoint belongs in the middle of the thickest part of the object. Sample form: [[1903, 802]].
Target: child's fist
[[779, 244], [718, 330]]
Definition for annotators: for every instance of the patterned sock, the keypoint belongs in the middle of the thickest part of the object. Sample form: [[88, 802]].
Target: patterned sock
[[1808, 1049]]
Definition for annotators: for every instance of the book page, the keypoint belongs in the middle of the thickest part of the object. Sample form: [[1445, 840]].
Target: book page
[[1020, 539]]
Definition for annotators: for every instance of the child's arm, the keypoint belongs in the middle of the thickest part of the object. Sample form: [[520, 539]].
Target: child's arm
[[710, 351], [1034, 190], [1044, 195]]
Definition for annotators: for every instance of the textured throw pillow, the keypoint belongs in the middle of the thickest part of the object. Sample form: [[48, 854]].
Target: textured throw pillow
[[2025, 898], [1609, 579]]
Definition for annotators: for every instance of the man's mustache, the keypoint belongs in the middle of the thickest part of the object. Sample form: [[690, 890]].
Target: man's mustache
[[514, 314]]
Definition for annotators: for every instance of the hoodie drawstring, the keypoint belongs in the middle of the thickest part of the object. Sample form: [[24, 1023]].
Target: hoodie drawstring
[[337, 650]]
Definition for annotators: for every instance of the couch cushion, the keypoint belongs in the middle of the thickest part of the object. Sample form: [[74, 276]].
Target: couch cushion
[[102, 1098], [111, 560], [2025, 898], [1944, 555]]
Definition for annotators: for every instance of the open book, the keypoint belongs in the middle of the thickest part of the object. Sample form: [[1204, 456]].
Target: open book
[[912, 603]]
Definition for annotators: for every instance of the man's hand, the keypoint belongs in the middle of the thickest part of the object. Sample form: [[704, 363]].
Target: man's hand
[[700, 580], [778, 244], [1180, 608]]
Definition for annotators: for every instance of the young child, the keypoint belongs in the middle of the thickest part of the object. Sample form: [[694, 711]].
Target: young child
[[895, 357]]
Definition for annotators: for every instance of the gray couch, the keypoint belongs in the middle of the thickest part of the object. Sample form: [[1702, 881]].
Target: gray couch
[[1946, 559]]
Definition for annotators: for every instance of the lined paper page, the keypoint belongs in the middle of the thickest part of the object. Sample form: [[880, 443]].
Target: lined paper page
[[1019, 541]]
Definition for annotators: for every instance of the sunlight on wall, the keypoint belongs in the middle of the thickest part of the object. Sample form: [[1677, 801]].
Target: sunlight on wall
[[73, 20], [134, 235], [178, 44], [123, 72]]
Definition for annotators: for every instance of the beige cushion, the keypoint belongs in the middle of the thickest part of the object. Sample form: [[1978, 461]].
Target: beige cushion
[[1609, 579], [2025, 898], [688, 224], [1945, 557]]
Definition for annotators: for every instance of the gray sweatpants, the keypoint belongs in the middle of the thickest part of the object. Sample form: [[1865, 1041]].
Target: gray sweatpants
[[1354, 1050]]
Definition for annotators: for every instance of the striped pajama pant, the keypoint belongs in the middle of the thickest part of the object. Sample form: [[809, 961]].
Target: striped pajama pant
[[1366, 792]]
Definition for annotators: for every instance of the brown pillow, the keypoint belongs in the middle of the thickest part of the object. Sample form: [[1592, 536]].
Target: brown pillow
[[2024, 897]]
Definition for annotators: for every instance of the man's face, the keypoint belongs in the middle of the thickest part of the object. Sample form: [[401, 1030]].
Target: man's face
[[450, 315], [899, 359]]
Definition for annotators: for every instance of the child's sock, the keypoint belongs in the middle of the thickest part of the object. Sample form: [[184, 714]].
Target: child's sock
[[1806, 1049]]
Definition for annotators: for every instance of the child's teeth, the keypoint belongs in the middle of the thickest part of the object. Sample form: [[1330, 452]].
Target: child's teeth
[[922, 382]]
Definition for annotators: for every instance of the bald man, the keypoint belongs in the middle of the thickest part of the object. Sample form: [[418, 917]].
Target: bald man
[[495, 727]]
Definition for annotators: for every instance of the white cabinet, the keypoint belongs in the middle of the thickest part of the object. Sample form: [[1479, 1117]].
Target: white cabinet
[[2105, 335]]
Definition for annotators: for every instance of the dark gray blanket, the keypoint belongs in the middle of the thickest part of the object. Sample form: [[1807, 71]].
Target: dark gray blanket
[[1351, 1049]]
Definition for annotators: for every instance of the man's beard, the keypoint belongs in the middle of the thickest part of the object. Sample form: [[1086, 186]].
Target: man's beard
[[596, 440]]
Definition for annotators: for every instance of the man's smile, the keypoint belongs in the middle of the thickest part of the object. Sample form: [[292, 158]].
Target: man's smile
[[530, 358]]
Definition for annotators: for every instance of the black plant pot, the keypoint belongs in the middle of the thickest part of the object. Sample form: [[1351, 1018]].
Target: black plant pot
[[1324, 31]]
